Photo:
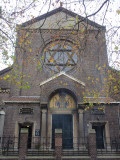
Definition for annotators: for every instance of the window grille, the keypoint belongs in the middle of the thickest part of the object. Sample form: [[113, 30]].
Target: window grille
[[26, 111]]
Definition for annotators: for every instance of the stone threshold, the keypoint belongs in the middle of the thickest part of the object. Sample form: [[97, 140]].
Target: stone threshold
[[9, 157], [40, 157], [74, 157]]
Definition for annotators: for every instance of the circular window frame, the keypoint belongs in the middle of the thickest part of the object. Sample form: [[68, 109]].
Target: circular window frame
[[68, 54]]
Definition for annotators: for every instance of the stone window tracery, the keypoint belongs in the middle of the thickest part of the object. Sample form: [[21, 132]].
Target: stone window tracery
[[60, 56]]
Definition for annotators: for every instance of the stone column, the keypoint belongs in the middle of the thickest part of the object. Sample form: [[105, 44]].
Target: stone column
[[58, 144], [23, 143], [2, 118], [44, 128], [92, 143], [107, 135], [81, 130]]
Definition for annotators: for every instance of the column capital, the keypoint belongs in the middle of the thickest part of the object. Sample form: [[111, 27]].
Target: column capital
[[2, 112], [44, 111], [80, 111]]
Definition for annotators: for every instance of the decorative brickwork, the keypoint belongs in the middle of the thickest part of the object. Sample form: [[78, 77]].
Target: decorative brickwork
[[23, 144], [58, 144], [92, 144]]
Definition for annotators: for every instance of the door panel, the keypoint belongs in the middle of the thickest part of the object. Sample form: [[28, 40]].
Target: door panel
[[64, 122]]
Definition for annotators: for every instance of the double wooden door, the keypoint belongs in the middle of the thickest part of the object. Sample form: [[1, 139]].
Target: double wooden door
[[64, 122]]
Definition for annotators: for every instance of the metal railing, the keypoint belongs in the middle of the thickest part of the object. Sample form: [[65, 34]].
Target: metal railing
[[109, 145], [38, 146], [9, 146], [67, 143], [46, 146], [75, 147]]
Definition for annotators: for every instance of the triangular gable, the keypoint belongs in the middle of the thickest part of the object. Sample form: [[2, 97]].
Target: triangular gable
[[60, 74], [6, 70], [60, 18]]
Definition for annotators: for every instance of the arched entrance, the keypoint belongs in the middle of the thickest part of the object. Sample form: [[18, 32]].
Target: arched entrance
[[62, 115]]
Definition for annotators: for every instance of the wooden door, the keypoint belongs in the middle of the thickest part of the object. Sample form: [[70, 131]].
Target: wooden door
[[64, 122]]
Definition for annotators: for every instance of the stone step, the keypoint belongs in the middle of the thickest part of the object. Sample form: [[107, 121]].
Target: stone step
[[110, 153], [9, 153], [40, 153], [75, 153]]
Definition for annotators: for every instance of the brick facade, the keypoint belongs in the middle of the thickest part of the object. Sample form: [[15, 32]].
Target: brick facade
[[85, 84]]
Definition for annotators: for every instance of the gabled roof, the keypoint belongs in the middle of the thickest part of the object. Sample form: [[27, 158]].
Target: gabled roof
[[60, 74], [6, 70], [61, 9]]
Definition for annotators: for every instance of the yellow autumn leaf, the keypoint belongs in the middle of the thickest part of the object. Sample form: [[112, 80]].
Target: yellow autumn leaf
[[51, 60], [30, 50], [118, 11], [77, 19], [89, 78], [6, 77]]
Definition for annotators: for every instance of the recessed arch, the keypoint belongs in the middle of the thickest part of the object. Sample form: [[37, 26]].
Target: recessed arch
[[63, 89], [62, 99], [63, 115]]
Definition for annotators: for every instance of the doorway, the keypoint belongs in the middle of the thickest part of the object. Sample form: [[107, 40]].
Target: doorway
[[99, 129], [29, 127], [64, 122]]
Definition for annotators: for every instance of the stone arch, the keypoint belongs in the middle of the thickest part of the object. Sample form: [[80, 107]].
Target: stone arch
[[70, 92], [52, 88]]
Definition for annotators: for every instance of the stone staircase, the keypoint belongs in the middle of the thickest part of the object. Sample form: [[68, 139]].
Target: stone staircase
[[48, 153], [75, 153], [108, 153], [9, 152]]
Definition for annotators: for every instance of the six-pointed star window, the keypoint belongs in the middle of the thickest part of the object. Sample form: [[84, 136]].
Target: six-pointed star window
[[60, 56]]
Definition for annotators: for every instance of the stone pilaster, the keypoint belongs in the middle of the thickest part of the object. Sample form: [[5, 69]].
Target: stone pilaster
[[81, 129], [44, 128], [2, 118]]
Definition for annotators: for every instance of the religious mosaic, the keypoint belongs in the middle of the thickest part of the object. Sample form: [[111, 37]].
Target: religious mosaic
[[62, 100]]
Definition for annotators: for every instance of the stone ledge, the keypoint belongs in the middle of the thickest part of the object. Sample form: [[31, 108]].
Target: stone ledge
[[40, 157], [58, 131], [9, 157]]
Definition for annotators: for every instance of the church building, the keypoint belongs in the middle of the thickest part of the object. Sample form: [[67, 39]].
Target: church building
[[56, 93]]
